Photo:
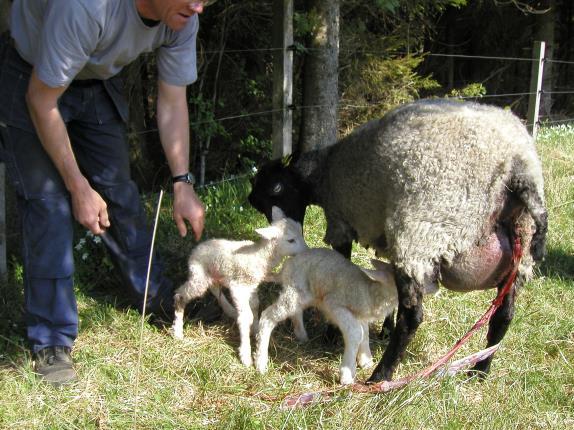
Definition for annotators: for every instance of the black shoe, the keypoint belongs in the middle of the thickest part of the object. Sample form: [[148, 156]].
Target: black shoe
[[54, 365]]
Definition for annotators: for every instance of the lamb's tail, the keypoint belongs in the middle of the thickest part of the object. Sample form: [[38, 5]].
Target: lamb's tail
[[527, 185]]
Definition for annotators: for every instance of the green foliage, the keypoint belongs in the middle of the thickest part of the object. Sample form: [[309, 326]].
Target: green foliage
[[252, 150], [202, 118], [471, 90], [375, 85]]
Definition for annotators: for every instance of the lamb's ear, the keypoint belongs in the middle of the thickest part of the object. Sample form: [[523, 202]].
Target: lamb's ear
[[383, 273], [277, 213], [373, 274], [382, 265], [268, 233]]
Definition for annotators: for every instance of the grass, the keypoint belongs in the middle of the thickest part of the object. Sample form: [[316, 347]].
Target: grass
[[199, 383]]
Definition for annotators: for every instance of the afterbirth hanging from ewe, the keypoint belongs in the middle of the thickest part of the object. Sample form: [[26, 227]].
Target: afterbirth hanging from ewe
[[441, 188]]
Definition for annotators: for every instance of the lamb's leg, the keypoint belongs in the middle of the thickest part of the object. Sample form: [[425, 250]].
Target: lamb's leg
[[409, 317], [254, 304], [364, 357], [332, 335], [289, 304], [352, 335], [241, 295], [497, 327], [299, 327], [179, 306], [227, 307], [195, 287]]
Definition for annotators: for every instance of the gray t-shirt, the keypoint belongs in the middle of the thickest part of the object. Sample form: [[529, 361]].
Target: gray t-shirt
[[95, 39]]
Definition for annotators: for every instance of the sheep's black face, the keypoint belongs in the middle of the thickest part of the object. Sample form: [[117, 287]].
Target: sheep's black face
[[277, 185]]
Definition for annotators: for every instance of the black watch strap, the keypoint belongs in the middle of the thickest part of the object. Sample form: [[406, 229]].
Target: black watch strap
[[188, 178]]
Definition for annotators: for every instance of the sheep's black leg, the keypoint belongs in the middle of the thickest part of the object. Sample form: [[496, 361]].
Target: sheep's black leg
[[497, 328], [409, 317], [525, 188], [344, 249]]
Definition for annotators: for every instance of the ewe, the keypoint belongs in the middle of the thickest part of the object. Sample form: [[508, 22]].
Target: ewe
[[441, 188]]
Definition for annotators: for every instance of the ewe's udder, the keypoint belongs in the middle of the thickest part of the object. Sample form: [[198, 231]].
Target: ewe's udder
[[481, 267]]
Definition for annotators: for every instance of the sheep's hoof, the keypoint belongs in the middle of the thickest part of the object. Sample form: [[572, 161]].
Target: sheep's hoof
[[380, 375], [480, 370]]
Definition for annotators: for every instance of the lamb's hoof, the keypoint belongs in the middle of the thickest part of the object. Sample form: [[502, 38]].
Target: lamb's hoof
[[246, 359], [177, 333], [365, 362], [302, 337], [261, 365], [347, 377]]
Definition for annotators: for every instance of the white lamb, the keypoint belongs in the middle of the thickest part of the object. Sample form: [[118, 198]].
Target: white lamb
[[240, 266], [349, 296]]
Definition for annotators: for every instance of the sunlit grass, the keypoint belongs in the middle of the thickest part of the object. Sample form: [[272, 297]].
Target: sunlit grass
[[200, 383]]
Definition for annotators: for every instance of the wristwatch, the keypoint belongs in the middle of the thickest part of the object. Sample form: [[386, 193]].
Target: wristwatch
[[188, 178]]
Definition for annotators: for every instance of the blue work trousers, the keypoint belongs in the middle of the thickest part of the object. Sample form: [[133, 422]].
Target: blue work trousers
[[98, 136]]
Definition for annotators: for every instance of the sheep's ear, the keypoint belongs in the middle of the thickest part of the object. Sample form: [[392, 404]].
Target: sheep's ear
[[268, 233], [277, 213]]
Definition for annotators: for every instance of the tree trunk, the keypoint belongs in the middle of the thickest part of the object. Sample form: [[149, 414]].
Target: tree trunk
[[320, 78]]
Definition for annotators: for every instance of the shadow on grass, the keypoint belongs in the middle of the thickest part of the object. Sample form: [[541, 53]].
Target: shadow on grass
[[558, 264], [13, 344]]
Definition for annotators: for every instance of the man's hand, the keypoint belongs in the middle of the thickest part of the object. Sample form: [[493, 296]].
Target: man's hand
[[89, 208], [187, 207]]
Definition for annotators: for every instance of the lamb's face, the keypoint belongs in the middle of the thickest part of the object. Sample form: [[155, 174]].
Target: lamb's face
[[291, 240], [276, 185]]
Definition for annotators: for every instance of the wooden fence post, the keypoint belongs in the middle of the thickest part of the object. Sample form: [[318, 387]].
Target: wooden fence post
[[282, 77], [536, 75]]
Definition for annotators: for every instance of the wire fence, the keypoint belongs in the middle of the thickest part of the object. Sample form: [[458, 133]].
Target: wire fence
[[374, 104], [546, 120]]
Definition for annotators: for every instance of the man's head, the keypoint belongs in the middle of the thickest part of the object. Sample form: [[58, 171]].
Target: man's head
[[173, 13]]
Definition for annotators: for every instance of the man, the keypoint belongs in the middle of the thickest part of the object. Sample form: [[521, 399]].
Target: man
[[62, 125]]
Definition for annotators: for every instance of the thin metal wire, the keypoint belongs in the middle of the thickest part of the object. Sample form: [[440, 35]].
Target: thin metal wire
[[138, 365], [560, 61], [559, 92]]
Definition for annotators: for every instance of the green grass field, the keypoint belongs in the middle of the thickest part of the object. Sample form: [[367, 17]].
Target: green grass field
[[200, 383]]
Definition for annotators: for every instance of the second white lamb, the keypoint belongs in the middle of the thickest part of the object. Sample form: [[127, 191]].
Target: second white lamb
[[349, 296]]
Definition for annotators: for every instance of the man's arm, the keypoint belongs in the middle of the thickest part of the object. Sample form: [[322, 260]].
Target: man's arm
[[88, 207], [173, 123]]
